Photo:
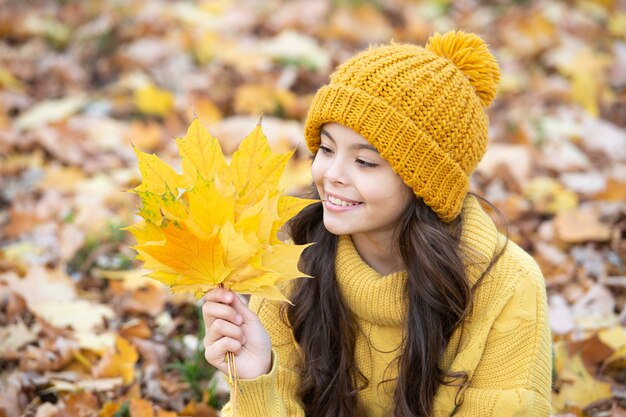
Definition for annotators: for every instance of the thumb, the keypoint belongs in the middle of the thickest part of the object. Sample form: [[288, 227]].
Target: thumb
[[240, 306]]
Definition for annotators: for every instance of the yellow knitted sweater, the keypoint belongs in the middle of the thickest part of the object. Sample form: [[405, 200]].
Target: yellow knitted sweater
[[504, 347]]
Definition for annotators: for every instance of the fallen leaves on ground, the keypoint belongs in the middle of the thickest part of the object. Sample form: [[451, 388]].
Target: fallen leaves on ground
[[82, 333]]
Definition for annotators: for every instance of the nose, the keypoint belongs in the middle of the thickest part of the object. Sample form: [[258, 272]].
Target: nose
[[335, 174]]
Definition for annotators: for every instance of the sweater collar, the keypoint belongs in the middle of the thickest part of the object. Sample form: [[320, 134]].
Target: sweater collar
[[379, 299], [369, 295]]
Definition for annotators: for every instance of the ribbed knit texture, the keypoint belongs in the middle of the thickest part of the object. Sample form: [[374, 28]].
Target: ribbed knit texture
[[422, 108], [504, 346]]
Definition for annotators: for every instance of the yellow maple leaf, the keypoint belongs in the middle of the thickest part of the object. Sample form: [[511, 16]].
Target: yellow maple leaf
[[256, 169], [217, 223], [201, 154], [156, 175]]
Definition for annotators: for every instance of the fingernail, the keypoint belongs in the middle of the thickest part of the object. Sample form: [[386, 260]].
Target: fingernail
[[238, 318]]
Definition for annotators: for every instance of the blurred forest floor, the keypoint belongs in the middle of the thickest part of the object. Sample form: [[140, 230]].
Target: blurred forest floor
[[82, 334]]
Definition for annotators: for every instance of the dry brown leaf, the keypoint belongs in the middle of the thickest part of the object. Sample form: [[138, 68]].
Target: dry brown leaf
[[599, 135], [49, 111], [164, 413], [204, 410], [595, 309], [256, 99], [13, 337], [48, 355], [296, 49], [516, 156], [12, 400], [63, 179], [149, 299], [141, 408], [24, 218], [584, 183], [13, 304], [561, 317], [66, 144], [86, 384], [578, 226], [135, 328], [347, 23], [593, 352], [196, 409], [145, 134], [530, 33], [79, 404], [205, 110], [98, 343], [41, 285], [48, 410], [152, 353], [614, 191], [124, 280], [561, 155], [81, 315]]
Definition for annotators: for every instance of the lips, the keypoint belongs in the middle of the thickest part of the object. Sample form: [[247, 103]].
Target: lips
[[336, 201]]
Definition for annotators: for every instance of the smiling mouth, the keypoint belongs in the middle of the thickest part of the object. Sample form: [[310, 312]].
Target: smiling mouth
[[339, 202]]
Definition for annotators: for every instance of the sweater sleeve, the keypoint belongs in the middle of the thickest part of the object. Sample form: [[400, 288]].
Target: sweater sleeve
[[513, 376], [273, 394]]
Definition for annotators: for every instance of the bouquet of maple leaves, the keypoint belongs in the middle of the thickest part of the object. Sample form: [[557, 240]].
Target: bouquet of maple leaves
[[216, 224]]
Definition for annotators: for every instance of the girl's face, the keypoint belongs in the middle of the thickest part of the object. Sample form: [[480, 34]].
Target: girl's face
[[362, 196]]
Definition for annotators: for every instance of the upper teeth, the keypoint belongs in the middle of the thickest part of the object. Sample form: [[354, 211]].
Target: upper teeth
[[339, 202]]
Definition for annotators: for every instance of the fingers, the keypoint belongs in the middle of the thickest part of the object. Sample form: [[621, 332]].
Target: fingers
[[222, 324], [219, 295], [215, 353], [212, 311], [225, 296], [242, 308], [221, 328]]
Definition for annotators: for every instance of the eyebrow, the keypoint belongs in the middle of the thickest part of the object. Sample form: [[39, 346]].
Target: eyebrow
[[357, 146]]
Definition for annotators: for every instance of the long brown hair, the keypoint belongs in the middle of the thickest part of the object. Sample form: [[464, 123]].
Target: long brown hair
[[438, 296]]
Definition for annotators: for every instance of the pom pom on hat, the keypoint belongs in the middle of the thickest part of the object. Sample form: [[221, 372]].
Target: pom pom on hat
[[471, 55]]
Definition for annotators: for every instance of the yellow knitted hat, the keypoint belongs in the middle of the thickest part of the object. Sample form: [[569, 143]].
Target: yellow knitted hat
[[423, 108]]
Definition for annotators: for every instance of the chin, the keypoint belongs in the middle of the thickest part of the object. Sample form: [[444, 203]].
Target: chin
[[335, 229]]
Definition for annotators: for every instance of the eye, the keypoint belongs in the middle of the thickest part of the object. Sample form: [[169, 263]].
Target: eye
[[325, 150], [366, 164]]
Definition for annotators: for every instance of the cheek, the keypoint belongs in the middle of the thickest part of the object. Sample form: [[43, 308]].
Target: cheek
[[317, 171], [395, 193], [392, 187]]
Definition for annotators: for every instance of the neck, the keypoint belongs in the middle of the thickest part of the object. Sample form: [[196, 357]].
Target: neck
[[380, 255]]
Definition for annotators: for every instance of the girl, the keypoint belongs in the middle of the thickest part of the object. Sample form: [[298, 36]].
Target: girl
[[417, 305]]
